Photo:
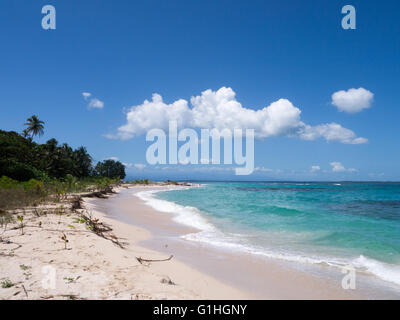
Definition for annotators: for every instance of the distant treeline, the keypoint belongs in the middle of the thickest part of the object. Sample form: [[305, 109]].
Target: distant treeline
[[23, 159]]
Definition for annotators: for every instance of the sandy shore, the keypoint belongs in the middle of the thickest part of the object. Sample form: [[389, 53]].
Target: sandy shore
[[36, 265], [255, 278], [106, 267]]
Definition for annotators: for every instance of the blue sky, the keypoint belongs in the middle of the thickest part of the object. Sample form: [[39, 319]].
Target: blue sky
[[124, 51]]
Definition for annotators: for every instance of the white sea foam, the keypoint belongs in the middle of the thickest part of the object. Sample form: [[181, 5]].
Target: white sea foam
[[209, 235], [218, 239], [382, 270], [186, 215]]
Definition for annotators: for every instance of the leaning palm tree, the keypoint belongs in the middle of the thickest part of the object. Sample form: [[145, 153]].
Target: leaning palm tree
[[34, 126]]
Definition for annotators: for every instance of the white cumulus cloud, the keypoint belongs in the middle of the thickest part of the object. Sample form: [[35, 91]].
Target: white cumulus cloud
[[352, 100], [220, 109], [338, 167]]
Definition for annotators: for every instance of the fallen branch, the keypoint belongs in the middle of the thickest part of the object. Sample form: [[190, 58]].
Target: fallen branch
[[6, 255], [69, 296], [141, 260], [26, 293]]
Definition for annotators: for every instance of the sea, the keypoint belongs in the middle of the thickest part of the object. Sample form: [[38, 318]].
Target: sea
[[336, 224]]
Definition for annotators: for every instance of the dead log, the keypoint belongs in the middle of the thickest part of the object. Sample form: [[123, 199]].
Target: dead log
[[141, 260]]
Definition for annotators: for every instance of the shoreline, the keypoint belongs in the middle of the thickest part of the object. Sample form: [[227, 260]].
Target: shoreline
[[259, 278], [192, 283], [37, 264], [112, 264], [270, 278]]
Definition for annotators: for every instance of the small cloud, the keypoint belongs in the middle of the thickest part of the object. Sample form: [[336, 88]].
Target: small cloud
[[128, 165], [110, 136], [338, 167], [95, 103], [140, 166], [112, 158], [86, 95], [352, 100], [315, 168], [332, 132]]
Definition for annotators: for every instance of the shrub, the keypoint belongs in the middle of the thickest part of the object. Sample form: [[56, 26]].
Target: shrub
[[8, 183], [34, 186], [6, 284]]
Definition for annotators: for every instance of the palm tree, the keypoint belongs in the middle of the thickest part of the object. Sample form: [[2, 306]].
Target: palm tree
[[34, 126]]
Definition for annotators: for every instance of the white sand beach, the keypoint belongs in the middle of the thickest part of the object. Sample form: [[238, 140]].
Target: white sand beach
[[106, 267]]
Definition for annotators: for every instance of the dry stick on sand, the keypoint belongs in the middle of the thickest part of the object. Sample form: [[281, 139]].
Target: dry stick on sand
[[100, 229], [69, 296], [26, 293], [141, 260]]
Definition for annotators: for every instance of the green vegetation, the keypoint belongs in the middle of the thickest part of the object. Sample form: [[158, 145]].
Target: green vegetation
[[111, 169], [21, 220], [70, 279], [172, 182], [24, 267], [34, 127], [22, 159], [5, 219], [138, 181], [32, 173], [15, 194], [6, 284]]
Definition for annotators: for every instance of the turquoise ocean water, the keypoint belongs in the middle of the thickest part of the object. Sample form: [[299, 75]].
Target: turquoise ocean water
[[330, 223]]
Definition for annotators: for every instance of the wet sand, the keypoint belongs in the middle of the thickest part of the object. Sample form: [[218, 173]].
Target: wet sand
[[256, 277]]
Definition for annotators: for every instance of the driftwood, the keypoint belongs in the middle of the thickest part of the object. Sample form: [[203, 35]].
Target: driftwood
[[141, 260], [26, 293], [76, 203], [99, 194], [69, 296]]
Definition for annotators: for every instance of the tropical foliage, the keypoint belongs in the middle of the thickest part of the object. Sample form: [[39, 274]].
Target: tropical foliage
[[111, 169], [31, 173], [34, 127], [15, 194], [22, 159]]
